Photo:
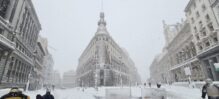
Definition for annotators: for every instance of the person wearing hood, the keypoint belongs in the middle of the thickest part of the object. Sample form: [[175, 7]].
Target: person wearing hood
[[38, 96], [15, 93], [210, 89], [48, 95]]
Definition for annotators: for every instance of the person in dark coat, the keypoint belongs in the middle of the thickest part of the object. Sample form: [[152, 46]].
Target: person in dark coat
[[48, 95], [149, 84], [158, 85], [39, 96], [210, 89]]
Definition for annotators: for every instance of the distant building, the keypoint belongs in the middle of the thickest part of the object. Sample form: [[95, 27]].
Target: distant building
[[56, 79], [48, 70], [37, 76], [68, 79], [104, 62]]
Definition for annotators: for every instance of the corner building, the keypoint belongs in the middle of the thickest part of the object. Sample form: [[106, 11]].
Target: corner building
[[104, 63]]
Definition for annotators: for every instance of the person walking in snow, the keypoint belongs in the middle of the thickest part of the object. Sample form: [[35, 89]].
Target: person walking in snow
[[48, 95], [158, 85], [15, 93], [39, 96], [149, 84], [210, 89]]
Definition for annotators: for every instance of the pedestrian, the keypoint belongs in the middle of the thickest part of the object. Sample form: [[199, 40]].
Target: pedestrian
[[210, 89], [158, 85], [15, 93], [38, 96], [149, 84], [48, 95]]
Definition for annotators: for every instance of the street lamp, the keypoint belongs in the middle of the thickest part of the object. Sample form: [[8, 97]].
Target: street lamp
[[95, 78]]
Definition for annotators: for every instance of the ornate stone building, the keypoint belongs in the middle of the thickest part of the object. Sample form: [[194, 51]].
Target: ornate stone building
[[182, 54], [195, 45], [178, 53], [204, 28], [104, 63], [19, 29]]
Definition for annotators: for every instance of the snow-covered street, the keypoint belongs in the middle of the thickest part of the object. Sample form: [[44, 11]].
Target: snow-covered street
[[172, 92]]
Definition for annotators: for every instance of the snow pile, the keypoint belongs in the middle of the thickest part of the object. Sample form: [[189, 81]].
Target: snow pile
[[177, 92], [172, 92], [197, 84]]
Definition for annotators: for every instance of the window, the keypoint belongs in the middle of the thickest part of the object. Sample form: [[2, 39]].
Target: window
[[207, 44], [215, 39], [207, 17], [189, 11], [192, 19], [203, 32], [197, 37], [195, 29], [197, 14], [3, 7], [210, 27], [200, 24], [194, 5], [203, 7], [200, 47], [13, 11]]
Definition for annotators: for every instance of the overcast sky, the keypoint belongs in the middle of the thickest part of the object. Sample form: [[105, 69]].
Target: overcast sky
[[135, 25]]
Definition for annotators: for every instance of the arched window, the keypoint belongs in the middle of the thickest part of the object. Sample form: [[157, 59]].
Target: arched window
[[3, 7]]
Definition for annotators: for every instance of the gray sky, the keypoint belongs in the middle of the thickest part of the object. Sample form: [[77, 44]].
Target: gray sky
[[135, 25]]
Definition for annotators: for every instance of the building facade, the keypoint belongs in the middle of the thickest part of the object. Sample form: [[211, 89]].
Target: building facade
[[103, 62], [69, 79], [204, 28], [37, 76], [215, 6], [56, 79], [48, 70], [159, 68], [19, 30], [195, 45], [179, 53]]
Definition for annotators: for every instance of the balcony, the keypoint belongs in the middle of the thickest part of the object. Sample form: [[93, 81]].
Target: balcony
[[3, 39], [5, 24], [23, 56], [6, 42]]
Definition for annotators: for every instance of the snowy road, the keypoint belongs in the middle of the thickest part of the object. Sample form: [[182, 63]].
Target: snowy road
[[173, 92]]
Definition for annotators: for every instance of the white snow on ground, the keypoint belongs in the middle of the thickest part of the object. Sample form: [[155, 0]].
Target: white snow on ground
[[176, 92], [173, 92]]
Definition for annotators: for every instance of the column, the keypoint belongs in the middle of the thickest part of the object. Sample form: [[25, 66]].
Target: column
[[9, 9], [213, 69], [8, 59], [12, 70], [12, 64]]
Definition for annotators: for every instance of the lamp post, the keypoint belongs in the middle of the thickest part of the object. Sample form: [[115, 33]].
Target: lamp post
[[5, 55], [95, 78]]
